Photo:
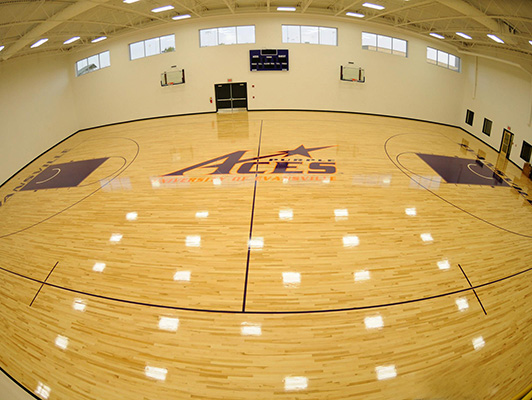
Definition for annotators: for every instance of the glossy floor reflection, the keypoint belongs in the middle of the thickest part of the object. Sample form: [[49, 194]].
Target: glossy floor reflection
[[267, 255]]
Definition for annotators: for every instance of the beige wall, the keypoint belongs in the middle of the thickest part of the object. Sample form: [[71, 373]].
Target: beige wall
[[36, 109], [502, 94], [42, 101]]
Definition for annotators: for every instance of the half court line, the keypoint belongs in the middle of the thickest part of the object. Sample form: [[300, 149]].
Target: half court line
[[251, 222]]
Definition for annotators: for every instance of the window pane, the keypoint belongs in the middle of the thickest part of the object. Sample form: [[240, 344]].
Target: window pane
[[82, 67], [443, 58], [167, 43], [208, 37], [399, 47], [153, 46], [291, 34], [369, 41], [136, 50], [105, 59], [245, 34], [432, 55], [454, 62], [328, 36], [227, 35], [309, 34], [384, 44], [94, 63]]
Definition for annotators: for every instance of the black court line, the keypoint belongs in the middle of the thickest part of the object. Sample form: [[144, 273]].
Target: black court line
[[214, 311], [39, 291], [251, 222], [474, 291]]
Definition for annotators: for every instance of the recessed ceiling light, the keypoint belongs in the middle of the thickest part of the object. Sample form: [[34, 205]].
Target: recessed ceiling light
[[38, 43], [71, 40], [99, 39], [286, 8], [352, 14], [464, 35], [178, 17], [374, 6], [163, 8], [436, 35], [495, 38]]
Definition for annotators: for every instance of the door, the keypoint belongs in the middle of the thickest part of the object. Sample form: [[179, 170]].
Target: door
[[231, 95], [506, 144]]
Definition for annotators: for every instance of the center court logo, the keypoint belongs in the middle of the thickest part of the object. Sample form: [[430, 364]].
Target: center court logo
[[286, 165]]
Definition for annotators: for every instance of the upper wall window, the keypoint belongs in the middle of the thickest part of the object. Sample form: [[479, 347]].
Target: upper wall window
[[384, 44], [151, 47], [227, 35], [93, 63], [443, 59], [310, 34]]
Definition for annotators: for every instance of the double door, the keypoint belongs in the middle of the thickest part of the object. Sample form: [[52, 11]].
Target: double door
[[231, 95]]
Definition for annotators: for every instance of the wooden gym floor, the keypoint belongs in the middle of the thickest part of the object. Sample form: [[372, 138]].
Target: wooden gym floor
[[267, 255]]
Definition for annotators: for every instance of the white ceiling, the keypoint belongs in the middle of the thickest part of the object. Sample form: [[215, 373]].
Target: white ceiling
[[22, 23]]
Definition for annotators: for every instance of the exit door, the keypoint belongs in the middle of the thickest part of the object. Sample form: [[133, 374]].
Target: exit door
[[506, 144], [231, 95]]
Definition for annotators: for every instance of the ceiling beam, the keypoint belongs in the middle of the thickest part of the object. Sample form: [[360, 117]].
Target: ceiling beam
[[40, 30], [229, 6], [474, 13], [306, 3], [352, 4], [402, 8]]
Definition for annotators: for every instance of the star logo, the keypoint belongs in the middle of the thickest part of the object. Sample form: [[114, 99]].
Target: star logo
[[303, 151]]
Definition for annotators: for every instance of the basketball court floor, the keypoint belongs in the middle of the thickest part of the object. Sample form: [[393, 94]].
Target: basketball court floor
[[267, 255]]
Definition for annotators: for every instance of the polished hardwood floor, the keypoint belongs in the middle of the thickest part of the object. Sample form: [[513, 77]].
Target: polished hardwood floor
[[266, 255]]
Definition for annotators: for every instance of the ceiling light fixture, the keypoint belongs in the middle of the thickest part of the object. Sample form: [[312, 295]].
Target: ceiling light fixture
[[374, 6], [38, 43], [286, 8], [464, 35], [2, 47], [436, 35], [71, 40], [495, 38], [163, 8], [352, 14], [130, 1], [178, 17], [99, 39]]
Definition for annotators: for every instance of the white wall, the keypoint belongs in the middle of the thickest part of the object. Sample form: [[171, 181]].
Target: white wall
[[42, 101], [395, 85], [36, 109], [503, 94]]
